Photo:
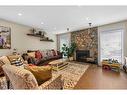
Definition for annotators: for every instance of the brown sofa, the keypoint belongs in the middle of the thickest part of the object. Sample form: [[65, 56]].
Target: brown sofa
[[48, 56]]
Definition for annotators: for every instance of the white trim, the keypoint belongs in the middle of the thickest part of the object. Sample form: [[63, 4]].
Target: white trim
[[99, 61], [123, 33]]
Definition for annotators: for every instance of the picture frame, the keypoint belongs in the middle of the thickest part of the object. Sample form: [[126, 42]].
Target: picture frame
[[5, 37]]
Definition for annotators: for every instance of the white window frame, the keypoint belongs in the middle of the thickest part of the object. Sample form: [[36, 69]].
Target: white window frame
[[99, 45]]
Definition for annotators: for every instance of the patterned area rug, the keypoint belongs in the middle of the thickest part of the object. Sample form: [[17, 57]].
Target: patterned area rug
[[72, 73]]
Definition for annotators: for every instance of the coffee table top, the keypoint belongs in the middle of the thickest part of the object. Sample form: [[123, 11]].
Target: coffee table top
[[58, 61]]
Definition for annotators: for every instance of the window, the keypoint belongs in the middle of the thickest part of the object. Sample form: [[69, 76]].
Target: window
[[63, 39], [111, 45]]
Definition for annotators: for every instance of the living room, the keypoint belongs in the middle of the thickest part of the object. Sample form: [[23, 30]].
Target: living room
[[77, 49]]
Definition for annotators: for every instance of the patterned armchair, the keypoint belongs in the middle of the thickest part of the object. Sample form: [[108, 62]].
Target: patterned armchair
[[24, 79]]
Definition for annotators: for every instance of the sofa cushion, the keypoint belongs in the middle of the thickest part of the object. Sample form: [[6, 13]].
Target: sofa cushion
[[56, 57], [41, 73], [31, 54], [38, 55]]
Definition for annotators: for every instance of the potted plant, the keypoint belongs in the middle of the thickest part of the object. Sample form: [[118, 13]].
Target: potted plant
[[69, 51], [65, 51]]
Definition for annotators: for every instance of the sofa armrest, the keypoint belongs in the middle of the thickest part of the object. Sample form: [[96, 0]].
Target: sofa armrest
[[60, 53], [54, 83]]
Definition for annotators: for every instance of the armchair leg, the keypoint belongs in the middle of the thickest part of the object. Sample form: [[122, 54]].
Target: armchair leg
[[8, 84]]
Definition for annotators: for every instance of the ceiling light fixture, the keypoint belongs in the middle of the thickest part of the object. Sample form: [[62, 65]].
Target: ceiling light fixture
[[88, 19], [90, 24], [19, 14], [68, 29]]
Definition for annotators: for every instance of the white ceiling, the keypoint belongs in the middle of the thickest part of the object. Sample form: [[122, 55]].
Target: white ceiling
[[57, 19]]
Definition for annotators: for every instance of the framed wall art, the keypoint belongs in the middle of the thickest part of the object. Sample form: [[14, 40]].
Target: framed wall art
[[5, 37]]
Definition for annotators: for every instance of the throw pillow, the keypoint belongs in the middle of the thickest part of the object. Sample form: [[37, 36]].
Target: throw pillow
[[32, 54], [41, 73], [49, 53], [31, 60], [16, 60], [38, 55], [44, 54], [53, 52]]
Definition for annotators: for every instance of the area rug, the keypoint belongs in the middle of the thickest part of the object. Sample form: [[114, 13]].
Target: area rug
[[71, 74]]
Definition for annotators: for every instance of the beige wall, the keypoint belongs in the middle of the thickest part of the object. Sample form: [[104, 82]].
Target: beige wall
[[22, 42], [119, 25]]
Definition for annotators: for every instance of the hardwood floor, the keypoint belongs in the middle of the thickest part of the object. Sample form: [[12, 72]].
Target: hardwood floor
[[96, 78]]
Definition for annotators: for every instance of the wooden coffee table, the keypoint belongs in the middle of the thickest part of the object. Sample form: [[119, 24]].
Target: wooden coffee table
[[59, 64]]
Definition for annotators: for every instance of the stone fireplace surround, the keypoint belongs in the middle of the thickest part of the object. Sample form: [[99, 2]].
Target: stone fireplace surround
[[86, 40]]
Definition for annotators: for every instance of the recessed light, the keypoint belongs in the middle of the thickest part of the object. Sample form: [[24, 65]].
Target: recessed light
[[19, 14], [42, 22], [87, 18]]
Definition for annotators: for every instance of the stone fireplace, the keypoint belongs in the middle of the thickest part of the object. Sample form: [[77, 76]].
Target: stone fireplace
[[87, 42]]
